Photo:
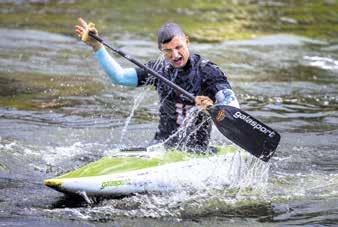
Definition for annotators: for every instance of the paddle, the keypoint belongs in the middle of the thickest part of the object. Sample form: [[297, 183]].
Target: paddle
[[235, 124]]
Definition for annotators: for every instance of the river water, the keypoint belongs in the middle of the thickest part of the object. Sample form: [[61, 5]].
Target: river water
[[58, 112]]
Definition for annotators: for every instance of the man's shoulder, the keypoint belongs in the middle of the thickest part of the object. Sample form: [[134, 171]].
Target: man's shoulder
[[201, 61], [207, 66]]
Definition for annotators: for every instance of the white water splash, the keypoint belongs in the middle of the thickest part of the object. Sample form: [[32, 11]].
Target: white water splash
[[137, 101], [187, 129]]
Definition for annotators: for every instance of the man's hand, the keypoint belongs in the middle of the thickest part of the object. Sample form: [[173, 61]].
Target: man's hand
[[82, 31], [203, 102]]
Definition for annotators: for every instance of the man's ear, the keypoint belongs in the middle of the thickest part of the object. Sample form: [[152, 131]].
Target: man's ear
[[187, 39]]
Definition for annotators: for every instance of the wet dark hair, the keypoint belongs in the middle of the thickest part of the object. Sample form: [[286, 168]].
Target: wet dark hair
[[167, 32]]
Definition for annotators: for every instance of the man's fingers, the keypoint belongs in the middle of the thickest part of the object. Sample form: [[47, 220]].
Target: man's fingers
[[79, 27], [203, 101], [79, 31], [83, 22]]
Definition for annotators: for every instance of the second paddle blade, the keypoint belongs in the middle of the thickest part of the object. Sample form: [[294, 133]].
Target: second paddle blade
[[245, 131]]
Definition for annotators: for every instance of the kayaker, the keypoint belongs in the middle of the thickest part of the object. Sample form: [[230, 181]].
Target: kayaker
[[197, 75]]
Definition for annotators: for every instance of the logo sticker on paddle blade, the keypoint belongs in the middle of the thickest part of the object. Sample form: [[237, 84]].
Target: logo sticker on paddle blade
[[220, 115]]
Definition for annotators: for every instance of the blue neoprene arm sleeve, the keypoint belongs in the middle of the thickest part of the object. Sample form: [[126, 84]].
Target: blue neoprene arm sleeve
[[118, 75], [226, 97]]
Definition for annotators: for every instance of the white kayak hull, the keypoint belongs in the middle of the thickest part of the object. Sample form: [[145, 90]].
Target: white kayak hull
[[199, 173]]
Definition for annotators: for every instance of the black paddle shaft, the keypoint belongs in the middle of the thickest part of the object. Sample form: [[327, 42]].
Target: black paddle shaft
[[235, 124]]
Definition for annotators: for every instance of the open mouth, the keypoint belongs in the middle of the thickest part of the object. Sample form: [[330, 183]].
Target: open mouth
[[178, 61]]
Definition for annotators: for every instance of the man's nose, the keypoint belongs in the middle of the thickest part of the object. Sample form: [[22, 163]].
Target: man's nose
[[175, 53]]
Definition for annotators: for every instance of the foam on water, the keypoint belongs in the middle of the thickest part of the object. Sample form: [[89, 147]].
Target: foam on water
[[322, 62]]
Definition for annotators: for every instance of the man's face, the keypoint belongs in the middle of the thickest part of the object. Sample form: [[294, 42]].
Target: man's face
[[176, 51]]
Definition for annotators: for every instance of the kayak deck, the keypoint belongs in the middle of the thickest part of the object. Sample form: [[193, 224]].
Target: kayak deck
[[112, 165]]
